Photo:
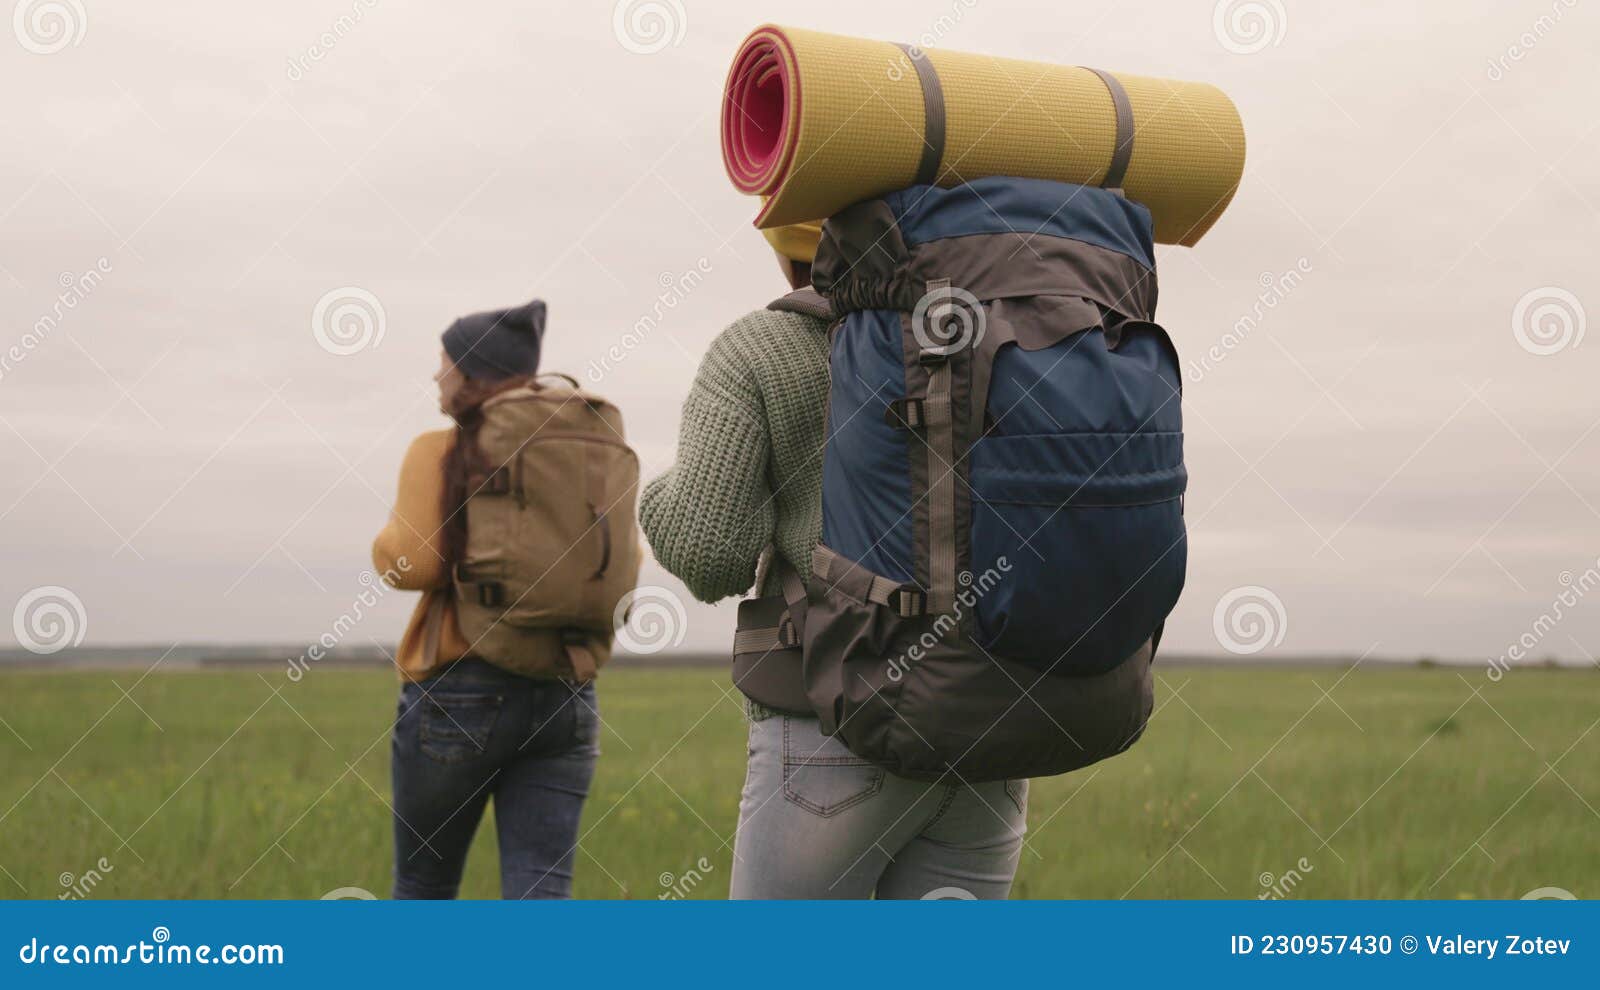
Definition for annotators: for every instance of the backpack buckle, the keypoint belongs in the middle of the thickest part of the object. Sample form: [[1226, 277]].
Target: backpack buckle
[[788, 635], [905, 414], [908, 602], [492, 594]]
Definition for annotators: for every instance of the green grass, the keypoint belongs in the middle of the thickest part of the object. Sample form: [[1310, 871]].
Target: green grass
[[1404, 784]]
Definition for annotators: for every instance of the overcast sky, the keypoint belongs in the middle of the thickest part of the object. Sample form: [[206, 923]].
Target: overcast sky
[[1386, 452]]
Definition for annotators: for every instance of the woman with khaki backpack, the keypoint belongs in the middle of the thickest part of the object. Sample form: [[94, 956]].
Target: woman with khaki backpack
[[517, 527]]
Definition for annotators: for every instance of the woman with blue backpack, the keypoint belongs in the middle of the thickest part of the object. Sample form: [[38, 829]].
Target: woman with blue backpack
[[952, 464], [815, 819], [955, 468]]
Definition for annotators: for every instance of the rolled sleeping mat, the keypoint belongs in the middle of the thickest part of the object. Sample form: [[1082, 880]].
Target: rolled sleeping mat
[[795, 241], [815, 122]]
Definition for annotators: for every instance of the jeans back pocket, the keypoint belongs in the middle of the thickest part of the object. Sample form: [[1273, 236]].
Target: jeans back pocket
[[820, 774], [456, 728]]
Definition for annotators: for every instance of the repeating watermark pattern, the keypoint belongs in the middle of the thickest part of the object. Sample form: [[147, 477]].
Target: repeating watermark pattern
[[972, 590], [1245, 27], [1574, 588], [675, 288], [650, 619], [349, 894], [76, 888], [1275, 288], [75, 288], [1549, 894], [1548, 320], [1276, 888], [950, 894], [947, 320], [347, 320], [49, 619], [900, 63], [373, 588], [45, 27], [328, 40], [645, 27], [1529, 39], [682, 885], [1249, 619]]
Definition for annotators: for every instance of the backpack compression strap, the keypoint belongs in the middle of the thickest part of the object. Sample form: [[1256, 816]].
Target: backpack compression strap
[[807, 300], [433, 628], [1123, 152], [580, 655], [933, 117], [939, 425]]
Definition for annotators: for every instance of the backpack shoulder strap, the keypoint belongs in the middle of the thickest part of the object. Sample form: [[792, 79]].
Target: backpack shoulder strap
[[807, 300]]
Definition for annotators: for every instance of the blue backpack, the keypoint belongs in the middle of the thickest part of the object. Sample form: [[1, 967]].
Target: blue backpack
[[1003, 482]]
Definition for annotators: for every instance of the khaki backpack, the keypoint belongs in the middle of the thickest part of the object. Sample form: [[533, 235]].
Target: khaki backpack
[[552, 542]]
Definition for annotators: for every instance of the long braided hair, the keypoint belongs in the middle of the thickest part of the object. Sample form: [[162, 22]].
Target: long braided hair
[[465, 467]]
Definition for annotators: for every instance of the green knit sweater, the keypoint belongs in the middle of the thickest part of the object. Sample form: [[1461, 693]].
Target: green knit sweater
[[748, 473]]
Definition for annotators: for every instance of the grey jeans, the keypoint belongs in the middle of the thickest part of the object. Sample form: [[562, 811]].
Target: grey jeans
[[816, 821]]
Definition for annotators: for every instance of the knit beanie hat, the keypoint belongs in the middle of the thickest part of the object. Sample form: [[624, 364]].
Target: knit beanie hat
[[502, 343]]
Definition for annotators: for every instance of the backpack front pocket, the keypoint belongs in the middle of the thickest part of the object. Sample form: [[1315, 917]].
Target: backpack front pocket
[[1078, 545]]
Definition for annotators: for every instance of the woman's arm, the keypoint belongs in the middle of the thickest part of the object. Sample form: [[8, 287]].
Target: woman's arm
[[710, 515], [409, 550]]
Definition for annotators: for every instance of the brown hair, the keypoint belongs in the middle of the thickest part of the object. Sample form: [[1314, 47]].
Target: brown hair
[[797, 272], [465, 468]]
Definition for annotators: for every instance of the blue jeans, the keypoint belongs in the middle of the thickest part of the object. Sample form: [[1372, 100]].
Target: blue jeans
[[474, 731], [816, 821]]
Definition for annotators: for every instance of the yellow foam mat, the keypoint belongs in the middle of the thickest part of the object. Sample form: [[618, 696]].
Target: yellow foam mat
[[849, 121]]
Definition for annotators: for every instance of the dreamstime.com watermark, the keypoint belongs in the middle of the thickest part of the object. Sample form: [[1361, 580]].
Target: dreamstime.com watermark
[[1276, 888], [159, 951], [348, 320], [75, 288], [1275, 288], [1529, 39], [973, 589], [1548, 320], [1249, 619], [674, 290], [900, 63], [45, 27], [328, 40], [947, 320], [49, 619], [1574, 589], [683, 884], [373, 588], [645, 27], [650, 619], [1549, 894], [1245, 27], [76, 888]]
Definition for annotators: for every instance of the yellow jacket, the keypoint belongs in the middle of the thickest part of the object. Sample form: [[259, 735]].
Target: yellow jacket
[[409, 553]]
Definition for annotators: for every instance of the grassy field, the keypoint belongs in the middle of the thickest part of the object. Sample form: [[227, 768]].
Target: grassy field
[[1396, 783]]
